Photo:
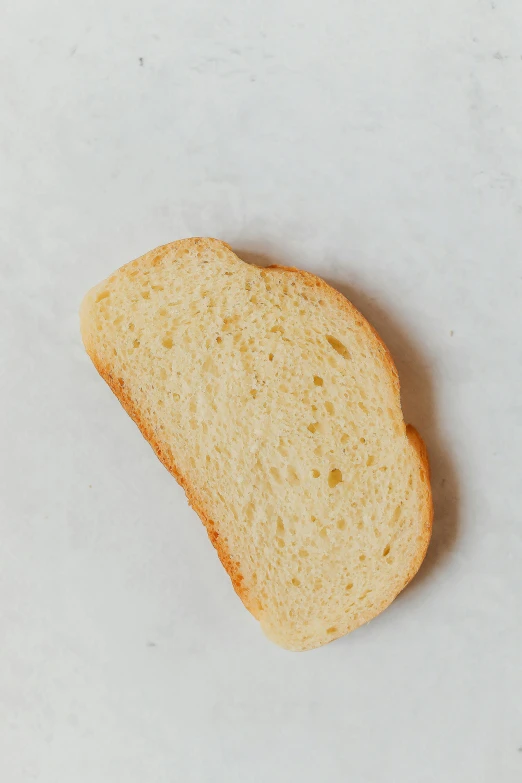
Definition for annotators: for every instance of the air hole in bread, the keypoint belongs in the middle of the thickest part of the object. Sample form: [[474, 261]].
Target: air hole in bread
[[334, 477], [318, 380], [337, 345], [167, 342]]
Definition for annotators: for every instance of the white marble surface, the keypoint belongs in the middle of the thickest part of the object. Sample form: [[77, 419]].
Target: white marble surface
[[376, 143]]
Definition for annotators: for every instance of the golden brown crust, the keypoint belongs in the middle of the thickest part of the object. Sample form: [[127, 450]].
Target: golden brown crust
[[420, 447], [167, 458]]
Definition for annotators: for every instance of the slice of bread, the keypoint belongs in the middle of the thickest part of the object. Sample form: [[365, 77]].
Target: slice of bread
[[276, 406]]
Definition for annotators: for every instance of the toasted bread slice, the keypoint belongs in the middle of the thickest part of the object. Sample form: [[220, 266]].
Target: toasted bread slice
[[276, 406]]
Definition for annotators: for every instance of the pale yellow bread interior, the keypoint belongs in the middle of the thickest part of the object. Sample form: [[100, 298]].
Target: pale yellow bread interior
[[276, 405]]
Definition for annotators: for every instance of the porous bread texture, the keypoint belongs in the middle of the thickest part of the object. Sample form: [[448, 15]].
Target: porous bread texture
[[276, 406]]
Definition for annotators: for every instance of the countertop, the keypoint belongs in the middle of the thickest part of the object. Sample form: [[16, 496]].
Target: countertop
[[377, 144]]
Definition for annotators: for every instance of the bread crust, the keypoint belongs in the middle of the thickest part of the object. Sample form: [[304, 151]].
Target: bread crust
[[165, 455]]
